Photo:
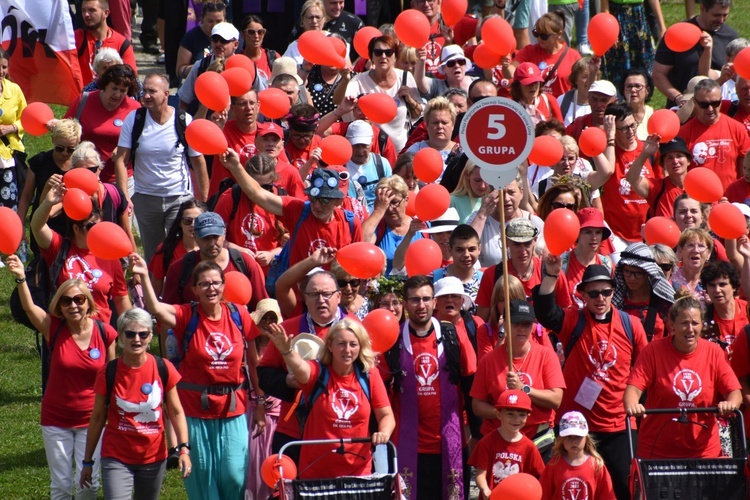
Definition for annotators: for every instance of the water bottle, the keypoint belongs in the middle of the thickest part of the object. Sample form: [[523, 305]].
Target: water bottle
[[23, 252], [560, 353], [173, 352]]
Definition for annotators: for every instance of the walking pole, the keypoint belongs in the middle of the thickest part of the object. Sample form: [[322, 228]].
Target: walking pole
[[506, 286]]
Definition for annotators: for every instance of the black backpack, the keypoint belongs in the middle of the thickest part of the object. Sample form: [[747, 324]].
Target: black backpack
[[125, 44], [46, 359], [180, 124]]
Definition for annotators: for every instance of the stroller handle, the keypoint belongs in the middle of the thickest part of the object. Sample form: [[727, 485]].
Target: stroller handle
[[342, 442]]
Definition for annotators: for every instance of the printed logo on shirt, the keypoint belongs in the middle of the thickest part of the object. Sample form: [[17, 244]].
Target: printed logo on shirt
[[345, 404], [246, 152], [713, 149], [252, 226], [525, 378], [506, 464], [426, 370], [687, 385], [316, 244], [77, 268], [603, 356], [219, 347], [147, 411], [433, 50], [575, 489]]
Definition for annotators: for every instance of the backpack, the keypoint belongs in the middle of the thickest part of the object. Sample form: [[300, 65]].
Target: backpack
[[280, 263], [111, 372], [229, 183], [47, 357], [566, 102], [471, 327], [733, 108], [84, 42], [379, 169], [189, 261], [180, 124], [581, 325]]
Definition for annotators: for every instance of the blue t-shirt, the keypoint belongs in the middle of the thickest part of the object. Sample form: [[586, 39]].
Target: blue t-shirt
[[367, 176], [390, 242]]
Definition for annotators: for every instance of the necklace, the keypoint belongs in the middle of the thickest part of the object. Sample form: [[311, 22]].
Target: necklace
[[524, 359], [528, 272]]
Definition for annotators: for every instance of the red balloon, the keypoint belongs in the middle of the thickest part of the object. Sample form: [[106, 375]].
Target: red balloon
[[593, 141], [422, 257], [238, 80], [274, 103], [561, 228], [412, 28], [664, 122], [362, 260], [604, 30], [317, 48], [383, 328], [485, 57], [206, 137], [83, 179], [432, 202], [681, 37], [270, 473], [546, 151], [212, 91], [362, 40], [704, 185], [519, 486], [662, 230], [335, 150], [727, 221], [241, 61], [77, 204], [338, 45], [498, 35], [237, 288], [108, 241], [453, 10], [378, 107], [428, 165], [411, 205], [34, 118], [11, 231], [742, 63]]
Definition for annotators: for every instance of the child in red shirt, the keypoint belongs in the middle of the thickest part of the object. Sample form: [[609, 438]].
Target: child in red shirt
[[507, 451], [576, 469]]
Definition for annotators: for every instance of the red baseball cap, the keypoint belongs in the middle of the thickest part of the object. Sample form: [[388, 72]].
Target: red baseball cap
[[528, 73], [514, 400], [270, 128]]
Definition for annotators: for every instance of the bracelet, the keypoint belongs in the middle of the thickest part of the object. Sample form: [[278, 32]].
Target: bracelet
[[87, 463], [677, 97], [260, 399], [287, 353], [610, 143], [20, 280]]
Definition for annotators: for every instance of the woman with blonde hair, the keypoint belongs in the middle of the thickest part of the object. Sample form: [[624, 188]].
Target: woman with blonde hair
[[693, 249], [342, 409], [467, 197], [439, 118], [312, 17]]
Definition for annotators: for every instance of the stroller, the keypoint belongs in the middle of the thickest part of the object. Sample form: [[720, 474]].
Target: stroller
[[692, 478], [372, 487]]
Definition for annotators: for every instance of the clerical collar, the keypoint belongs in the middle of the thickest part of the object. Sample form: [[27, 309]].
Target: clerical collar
[[603, 318], [422, 334]]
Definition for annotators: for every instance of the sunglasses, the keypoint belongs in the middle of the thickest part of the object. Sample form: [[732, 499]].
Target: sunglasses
[[354, 283], [214, 6], [251, 32], [88, 225], [706, 104], [218, 39], [79, 299], [322, 201], [188, 221], [64, 149], [383, 52], [130, 334], [633, 274], [594, 294], [666, 267], [452, 63], [569, 206], [542, 36]]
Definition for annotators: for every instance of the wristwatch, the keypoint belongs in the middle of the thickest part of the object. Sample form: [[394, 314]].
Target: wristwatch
[[526, 389]]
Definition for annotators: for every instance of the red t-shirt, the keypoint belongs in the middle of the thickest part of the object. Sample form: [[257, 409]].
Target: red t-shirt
[[156, 266], [501, 458], [741, 366], [562, 481], [290, 180], [719, 147], [738, 191], [484, 295], [297, 157], [603, 354], [134, 433], [673, 379], [171, 292], [388, 152], [730, 329], [102, 127], [313, 233], [540, 369], [69, 398], [343, 411], [243, 143], [214, 357], [104, 278], [624, 210], [559, 84], [549, 108], [579, 125], [465, 29], [487, 339], [114, 40], [639, 311], [664, 206], [741, 115]]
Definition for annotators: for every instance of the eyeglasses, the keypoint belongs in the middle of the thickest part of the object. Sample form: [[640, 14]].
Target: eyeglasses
[[396, 203], [706, 104], [569, 206], [187, 221], [452, 63], [693, 246], [666, 267], [415, 301], [130, 334], [594, 294], [317, 295], [354, 283], [635, 86], [322, 201], [633, 274], [627, 128], [301, 137], [214, 6], [88, 225], [542, 36], [383, 52], [79, 299], [251, 32], [218, 39], [64, 149], [569, 159], [389, 303], [205, 285]]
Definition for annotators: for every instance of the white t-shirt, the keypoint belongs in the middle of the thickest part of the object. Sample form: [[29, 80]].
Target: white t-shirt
[[729, 91], [492, 249], [574, 110], [160, 168]]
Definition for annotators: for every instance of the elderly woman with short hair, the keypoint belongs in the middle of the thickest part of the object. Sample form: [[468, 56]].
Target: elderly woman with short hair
[[104, 58], [439, 117]]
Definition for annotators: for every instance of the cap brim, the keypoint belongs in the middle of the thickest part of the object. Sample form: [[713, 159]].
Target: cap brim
[[573, 432], [594, 280], [522, 318], [209, 231], [439, 229], [331, 194]]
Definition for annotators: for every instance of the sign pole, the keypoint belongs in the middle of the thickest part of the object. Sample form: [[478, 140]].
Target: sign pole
[[506, 285]]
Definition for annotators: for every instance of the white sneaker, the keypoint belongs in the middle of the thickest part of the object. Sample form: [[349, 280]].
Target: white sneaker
[[585, 49]]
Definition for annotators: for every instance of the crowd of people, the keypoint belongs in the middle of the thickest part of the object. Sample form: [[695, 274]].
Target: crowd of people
[[595, 336]]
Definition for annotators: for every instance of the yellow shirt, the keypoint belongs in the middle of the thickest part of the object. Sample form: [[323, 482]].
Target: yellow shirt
[[12, 103]]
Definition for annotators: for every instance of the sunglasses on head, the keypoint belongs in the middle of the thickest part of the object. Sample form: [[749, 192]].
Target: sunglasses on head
[[706, 104], [569, 206], [594, 294], [79, 299], [64, 149], [383, 52], [542, 36], [214, 6], [130, 334], [354, 283], [452, 63]]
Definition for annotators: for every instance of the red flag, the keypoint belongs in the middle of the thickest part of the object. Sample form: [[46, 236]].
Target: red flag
[[38, 35]]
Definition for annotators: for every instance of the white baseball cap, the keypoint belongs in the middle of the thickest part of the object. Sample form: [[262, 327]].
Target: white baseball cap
[[573, 423], [603, 87], [359, 132], [227, 31]]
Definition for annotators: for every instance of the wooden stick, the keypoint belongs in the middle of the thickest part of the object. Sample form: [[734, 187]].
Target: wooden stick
[[506, 286]]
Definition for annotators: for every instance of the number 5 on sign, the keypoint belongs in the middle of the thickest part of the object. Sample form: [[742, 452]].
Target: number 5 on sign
[[497, 134]]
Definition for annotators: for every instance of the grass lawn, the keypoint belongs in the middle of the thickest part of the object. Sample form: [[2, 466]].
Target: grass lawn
[[23, 468]]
